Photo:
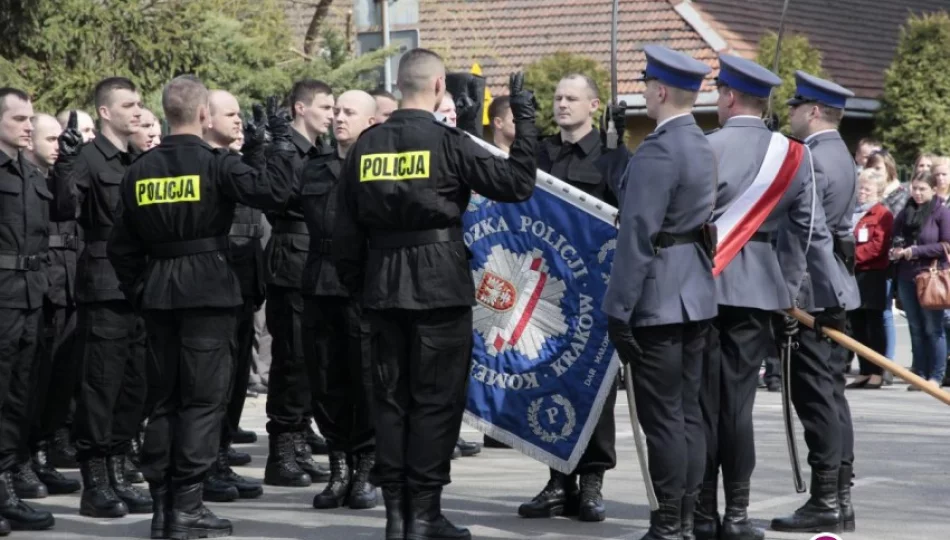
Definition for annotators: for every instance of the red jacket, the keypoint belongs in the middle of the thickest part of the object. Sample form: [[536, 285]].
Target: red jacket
[[873, 245]]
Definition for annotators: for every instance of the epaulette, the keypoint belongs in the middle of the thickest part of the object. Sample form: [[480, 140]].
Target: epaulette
[[653, 135]]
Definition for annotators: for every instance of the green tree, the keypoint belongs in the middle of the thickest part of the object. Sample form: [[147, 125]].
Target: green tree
[[796, 54], [915, 109], [542, 77]]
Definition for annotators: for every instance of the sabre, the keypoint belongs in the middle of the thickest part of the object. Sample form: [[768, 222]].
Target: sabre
[[778, 50], [638, 438], [787, 416], [611, 128]]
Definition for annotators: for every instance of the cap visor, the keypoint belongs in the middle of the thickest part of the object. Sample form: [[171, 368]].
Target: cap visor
[[794, 101]]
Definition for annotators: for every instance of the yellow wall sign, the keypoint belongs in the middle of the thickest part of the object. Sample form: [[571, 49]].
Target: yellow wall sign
[[168, 190], [401, 166]]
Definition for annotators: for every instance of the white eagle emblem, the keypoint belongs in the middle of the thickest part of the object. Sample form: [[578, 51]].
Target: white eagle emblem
[[519, 303]]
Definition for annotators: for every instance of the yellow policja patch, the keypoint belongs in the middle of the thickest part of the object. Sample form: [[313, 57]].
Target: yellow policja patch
[[168, 190], [401, 166]]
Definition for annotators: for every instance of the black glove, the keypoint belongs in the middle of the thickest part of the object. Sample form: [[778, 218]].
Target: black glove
[[255, 129], [618, 114], [70, 140], [621, 334], [465, 108], [278, 120], [834, 318], [523, 105]]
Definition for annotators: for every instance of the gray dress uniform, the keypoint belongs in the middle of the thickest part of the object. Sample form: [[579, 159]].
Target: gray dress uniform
[[817, 380], [749, 289], [662, 293]]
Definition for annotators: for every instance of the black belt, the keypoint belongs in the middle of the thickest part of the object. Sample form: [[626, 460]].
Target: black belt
[[245, 230], [400, 239], [20, 263], [324, 246], [665, 240], [762, 237], [284, 226], [64, 241], [171, 250]]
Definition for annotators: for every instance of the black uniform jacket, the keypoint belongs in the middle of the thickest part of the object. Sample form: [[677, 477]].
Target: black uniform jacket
[[246, 252], [286, 252], [24, 218], [405, 186], [90, 183], [169, 248], [319, 197], [578, 164]]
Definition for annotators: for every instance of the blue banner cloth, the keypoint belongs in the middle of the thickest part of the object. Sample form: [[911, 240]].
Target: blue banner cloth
[[542, 362]]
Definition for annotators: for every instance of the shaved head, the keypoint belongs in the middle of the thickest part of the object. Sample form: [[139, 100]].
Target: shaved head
[[222, 99], [185, 101], [224, 126], [44, 149], [354, 111], [421, 73]]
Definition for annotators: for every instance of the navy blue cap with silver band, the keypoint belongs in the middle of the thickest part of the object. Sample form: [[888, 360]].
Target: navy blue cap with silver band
[[674, 68], [811, 89], [746, 76]]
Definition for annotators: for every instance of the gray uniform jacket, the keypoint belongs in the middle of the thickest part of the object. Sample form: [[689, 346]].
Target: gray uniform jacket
[[670, 186], [828, 285], [754, 278]]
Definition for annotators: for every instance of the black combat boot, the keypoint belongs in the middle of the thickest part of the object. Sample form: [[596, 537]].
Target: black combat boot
[[189, 518], [246, 489], [244, 436], [25, 482], [362, 492], [56, 483], [735, 521], [397, 511], [282, 468], [821, 512], [98, 498], [468, 449], [318, 445], [338, 487], [317, 471], [687, 513], [134, 498], [666, 522], [559, 497], [61, 452], [132, 472], [237, 459], [161, 506], [426, 521], [845, 475], [592, 500], [214, 489], [18, 515], [706, 522]]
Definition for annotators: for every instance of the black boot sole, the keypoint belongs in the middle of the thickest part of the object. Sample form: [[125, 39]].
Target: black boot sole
[[239, 460], [114, 512], [357, 503], [549, 512], [32, 494], [41, 525], [414, 536], [300, 481], [250, 493], [187, 534], [63, 489], [328, 504], [592, 515]]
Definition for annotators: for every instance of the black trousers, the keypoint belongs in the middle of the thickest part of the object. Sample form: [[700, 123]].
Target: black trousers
[[243, 343], [340, 377], [193, 348], [817, 383], [288, 390], [666, 381], [19, 336], [114, 379], [867, 326], [738, 341], [601, 452], [56, 373], [421, 361]]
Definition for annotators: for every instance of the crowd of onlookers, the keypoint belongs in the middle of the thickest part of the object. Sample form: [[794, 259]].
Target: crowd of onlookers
[[901, 228]]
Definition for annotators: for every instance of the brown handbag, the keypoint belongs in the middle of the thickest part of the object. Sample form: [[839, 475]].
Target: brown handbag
[[933, 284]]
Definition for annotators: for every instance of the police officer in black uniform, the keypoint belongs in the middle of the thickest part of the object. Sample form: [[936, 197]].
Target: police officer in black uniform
[[56, 372], [398, 245], [114, 385], [24, 218], [169, 250], [574, 155], [289, 461], [339, 371], [246, 256]]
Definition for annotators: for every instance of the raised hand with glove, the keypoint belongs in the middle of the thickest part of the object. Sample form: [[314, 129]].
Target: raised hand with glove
[[523, 104], [255, 133], [70, 140], [279, 123]]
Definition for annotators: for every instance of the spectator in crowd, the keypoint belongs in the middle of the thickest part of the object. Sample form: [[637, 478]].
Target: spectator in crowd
[[940, 169], [895, 198], [924, 163], [919, 231], [874, 225], [866, 147]]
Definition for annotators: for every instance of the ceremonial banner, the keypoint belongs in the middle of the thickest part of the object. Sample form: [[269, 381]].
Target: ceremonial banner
[[542, 362]]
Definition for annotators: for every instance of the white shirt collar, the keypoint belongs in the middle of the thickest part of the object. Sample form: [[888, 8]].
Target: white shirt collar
[[817, 133], [661, 124]]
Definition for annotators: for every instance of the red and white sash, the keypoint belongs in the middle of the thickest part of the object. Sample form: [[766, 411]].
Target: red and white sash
[[747, 213]]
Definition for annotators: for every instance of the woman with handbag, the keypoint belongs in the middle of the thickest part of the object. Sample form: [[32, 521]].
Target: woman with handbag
[[921, 231], [874, 225]]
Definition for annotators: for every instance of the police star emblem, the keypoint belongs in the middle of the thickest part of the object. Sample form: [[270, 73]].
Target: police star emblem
[[518, 303]]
